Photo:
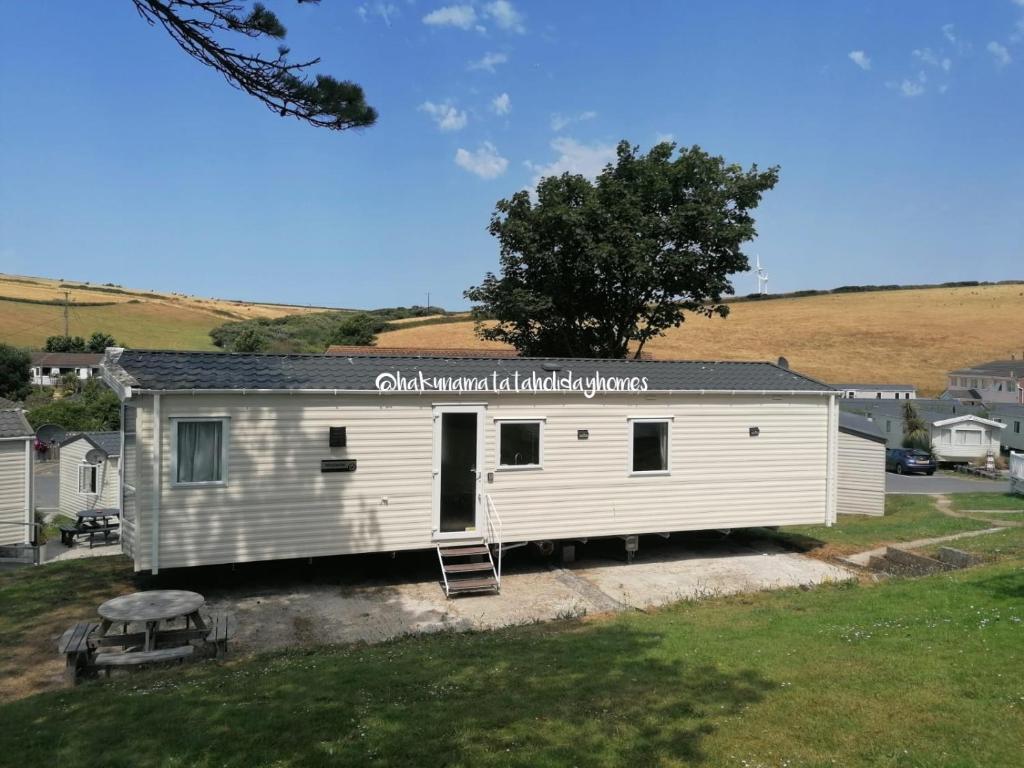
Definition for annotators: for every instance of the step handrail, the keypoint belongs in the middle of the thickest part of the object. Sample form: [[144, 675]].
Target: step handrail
[[494, 531]]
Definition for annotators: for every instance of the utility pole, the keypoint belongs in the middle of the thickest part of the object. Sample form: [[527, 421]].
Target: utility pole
[[428, 299], [66, 295]]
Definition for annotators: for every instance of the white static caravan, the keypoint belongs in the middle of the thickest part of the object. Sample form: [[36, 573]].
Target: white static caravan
[[966, 438], [232, 458], [17, 517], [90, 485], [861, 466]]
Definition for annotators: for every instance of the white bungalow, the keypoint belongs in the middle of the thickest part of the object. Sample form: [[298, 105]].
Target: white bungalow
[[90, 484], [16, 511], [233, 458], [966, 438]]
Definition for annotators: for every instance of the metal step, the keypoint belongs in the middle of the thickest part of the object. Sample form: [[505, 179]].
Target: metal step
[[468, 567], [465, 551], [486, 584]]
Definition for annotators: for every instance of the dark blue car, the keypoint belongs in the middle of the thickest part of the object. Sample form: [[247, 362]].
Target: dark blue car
[[908, 460]]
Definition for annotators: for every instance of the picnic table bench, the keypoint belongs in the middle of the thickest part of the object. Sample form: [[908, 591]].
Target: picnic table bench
[[91, 523], [91, 646]]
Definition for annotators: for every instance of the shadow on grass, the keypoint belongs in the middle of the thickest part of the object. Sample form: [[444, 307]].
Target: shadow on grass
[[588, 695], [1009, 584]]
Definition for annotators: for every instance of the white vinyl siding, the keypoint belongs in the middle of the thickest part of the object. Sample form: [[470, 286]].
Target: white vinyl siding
[[74, 496], [14, 513], [278, 504], [861, 476]]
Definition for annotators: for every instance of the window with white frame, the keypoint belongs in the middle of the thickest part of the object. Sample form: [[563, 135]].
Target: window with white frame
[[520, 444], [648, 446], [87, 478], [200, 451]]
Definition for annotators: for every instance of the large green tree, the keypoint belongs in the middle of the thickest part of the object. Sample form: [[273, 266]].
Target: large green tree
[[205, 30], [15, 372], [596, 269]]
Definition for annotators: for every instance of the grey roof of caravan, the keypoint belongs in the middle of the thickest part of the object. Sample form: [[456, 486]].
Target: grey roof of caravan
[[197, 371], [861, 426], [108, 442], [14, 424]]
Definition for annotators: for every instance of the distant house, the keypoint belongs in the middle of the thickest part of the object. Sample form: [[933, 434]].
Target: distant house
[[963, 396], [877, 391], [966, 438], [998, 381], [861, 467], [1013, 417], [888, 414], [16, 513], [89, 485], [49, 367]]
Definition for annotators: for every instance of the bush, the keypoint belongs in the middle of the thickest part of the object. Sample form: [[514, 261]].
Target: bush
[[95, 408], [15, 372]]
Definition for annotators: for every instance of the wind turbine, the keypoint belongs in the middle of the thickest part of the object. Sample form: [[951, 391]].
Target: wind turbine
[[762, 279]]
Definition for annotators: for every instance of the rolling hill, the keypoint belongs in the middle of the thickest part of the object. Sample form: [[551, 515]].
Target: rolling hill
[[908, 336], [30, 311]]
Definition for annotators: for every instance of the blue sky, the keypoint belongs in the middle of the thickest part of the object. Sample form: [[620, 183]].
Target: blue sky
[[897, 126]]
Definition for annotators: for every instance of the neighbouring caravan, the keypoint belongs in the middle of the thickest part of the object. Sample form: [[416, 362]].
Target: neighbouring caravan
[[16, 511], [240, 457], [90, 484], [967, 438], [861, 466]]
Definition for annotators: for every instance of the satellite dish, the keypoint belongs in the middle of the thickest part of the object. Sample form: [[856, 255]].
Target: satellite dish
[[49, 433], [95, 456]]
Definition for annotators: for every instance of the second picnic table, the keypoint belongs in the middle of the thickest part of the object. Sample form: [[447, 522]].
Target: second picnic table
[[151, 608]]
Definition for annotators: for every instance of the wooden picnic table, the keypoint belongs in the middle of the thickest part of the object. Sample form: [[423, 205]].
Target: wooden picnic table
[[150, 608], [91, 522]]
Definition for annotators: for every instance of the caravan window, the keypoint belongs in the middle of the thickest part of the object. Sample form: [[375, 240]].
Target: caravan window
[[200, 451], [87, 478], [520, 444], [649, 446]]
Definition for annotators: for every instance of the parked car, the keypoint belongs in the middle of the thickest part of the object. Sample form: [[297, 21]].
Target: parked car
[[906, 460]]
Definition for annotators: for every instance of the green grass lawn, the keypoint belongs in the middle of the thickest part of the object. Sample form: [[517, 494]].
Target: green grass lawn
[[906, 518], [1008, 543], [921, 672], [972, 501]]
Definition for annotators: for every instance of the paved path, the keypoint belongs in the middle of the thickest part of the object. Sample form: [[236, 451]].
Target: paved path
[[943, 482]]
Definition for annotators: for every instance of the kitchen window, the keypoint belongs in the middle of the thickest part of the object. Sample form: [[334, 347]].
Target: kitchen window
[[649, 446], [520, 444]]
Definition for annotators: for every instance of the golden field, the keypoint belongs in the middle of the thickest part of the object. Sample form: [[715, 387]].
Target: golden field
[[903, 337], [143, 319]]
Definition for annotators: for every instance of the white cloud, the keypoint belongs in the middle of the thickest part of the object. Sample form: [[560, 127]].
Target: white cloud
[[458, 16], [559, 122], [386, 11], [574, 157], [949, 32], [908, 88], [485, 161], [502, 13], [860, 59], [447, 117], [928, 56], [502, 104], [999, 53], [661, 138], [488, 62]]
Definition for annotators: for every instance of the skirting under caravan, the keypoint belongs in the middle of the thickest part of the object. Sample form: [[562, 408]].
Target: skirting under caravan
[[234, 458]]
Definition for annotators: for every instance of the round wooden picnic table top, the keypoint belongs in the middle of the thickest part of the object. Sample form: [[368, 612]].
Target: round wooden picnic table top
[[154, 605]]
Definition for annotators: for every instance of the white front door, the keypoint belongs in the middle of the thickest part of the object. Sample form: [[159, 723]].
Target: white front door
[[458, 468]]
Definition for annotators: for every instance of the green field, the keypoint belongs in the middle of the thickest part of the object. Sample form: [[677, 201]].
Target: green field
[[988, 501]]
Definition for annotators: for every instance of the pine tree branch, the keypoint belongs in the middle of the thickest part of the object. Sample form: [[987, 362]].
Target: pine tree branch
[[283, 86]]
